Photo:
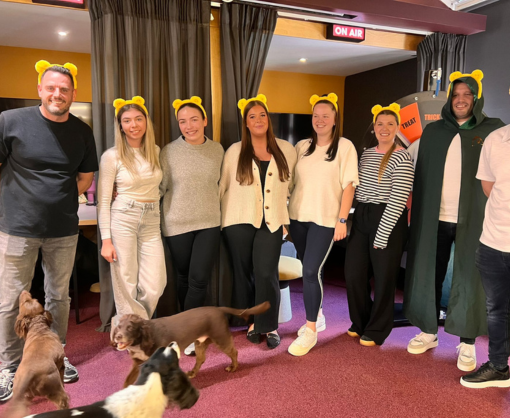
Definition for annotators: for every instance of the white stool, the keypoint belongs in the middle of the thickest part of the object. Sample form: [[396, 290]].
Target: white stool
[[289, 268]]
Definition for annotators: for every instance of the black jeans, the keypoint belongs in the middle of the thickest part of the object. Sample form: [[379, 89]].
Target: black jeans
[[494, 268], [446, 232], [255, 254], [194, 254], [313, 244], [373, 318]]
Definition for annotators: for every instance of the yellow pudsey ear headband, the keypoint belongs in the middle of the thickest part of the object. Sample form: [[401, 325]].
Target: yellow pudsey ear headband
[[42, 66], [394, 107], [331, 97], [477, 75], [241, 104], [177, 104], [137, 100]]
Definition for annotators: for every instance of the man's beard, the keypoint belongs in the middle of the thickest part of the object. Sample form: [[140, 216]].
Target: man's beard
[[56, 111]]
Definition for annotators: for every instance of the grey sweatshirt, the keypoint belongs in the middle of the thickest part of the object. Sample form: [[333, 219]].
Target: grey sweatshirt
[[190, 186]]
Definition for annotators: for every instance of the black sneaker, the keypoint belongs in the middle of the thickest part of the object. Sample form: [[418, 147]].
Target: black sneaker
[[6, 382], [487, 376], [70, 373]]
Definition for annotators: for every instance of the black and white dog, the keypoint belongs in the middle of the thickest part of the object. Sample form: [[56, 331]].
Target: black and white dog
[[161, 382]]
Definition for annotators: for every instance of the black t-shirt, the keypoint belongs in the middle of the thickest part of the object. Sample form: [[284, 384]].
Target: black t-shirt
[[263, 171], [40, 161]]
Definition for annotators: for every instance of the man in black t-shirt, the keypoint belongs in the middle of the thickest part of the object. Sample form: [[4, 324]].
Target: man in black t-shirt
[[47, 159]]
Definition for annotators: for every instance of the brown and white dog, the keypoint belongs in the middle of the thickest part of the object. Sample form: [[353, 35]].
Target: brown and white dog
[[161, 382], [202, 326], [41, 372]]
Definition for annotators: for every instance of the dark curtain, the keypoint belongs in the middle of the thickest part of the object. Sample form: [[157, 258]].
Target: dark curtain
[[160, 51], [246, 33], [441, 50]]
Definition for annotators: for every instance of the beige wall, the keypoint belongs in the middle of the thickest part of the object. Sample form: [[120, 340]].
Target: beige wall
[[290, 92], [19, 78]]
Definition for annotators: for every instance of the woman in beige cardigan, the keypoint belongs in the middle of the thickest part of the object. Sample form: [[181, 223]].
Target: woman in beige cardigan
[[254, 187]]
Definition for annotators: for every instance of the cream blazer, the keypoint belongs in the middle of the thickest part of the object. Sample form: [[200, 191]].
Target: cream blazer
[[248, 204]]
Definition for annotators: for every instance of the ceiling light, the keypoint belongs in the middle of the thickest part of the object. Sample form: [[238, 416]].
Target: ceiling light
[[302, 60], [62, 33]]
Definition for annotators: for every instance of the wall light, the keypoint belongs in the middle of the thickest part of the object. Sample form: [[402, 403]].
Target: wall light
[[62, 33], [302, 60]]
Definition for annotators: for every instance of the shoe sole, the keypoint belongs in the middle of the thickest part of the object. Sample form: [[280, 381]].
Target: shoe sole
[[367, 343], [421, 350], [302, 353], [71, 380], [483, 385], [352, 334], [320, 329], [466, 367]]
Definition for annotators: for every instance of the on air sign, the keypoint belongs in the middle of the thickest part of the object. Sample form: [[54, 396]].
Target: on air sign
[[345, 33]]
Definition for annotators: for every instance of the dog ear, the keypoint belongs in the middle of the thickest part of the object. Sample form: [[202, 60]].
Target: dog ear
[[179, 390], [147, 342], [49, 317], [21, 326]]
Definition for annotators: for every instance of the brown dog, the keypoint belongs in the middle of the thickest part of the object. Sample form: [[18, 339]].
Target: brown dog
[[202, 326], [41, 372]]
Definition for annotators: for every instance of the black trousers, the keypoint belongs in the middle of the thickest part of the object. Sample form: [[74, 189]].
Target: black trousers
[[446, 232], [373, 318], [255, 254], [194, 254], [313, 244]]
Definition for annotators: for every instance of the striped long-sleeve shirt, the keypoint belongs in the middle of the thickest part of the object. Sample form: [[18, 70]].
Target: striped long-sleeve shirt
[[393, 189]]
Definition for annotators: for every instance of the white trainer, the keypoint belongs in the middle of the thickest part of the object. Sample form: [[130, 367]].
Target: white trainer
[[422, 342], [303, 344], [190, 349], [320, 325], [466, 360]]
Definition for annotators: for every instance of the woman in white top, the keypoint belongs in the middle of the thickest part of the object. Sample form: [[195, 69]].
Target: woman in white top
[[254, 186], [325, 177], [130, 227]]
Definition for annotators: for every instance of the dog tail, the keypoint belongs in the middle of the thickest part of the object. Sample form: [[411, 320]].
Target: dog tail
[[246, 313]]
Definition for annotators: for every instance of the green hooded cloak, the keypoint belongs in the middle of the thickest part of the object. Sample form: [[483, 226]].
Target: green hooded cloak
[[466, 308]]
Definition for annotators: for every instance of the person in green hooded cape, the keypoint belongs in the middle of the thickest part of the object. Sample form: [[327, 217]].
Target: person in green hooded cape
[[448, 206]]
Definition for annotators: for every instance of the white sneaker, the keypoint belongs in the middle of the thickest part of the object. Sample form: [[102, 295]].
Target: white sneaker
[[320, 325], [422, 342], [467, 357], [303, 344], [190, 349]]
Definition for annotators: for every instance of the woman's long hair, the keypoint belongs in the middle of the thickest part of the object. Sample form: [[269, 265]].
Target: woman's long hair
[[335, 135], [147, 149], [244, 166], [396, 143]]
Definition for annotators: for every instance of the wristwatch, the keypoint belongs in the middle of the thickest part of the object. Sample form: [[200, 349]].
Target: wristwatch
[[342, 220]]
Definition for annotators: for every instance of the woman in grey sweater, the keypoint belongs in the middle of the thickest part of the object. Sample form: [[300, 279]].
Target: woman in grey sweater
[[191, 216]]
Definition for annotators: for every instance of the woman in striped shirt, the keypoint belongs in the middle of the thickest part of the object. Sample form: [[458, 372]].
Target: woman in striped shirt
[[379, 230]]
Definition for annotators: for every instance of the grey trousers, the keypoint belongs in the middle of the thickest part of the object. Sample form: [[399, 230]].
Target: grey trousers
[[18, 256], [139, 274]]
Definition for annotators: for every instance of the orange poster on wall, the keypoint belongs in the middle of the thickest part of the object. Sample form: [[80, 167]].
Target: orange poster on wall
[[410, 122]]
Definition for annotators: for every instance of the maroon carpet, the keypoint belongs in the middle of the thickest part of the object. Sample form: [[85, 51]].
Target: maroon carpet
[[337, 378]]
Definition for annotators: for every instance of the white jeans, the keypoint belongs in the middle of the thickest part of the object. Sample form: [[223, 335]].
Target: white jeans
[[139, 274]]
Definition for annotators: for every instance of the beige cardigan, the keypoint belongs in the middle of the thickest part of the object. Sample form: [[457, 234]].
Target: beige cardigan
[[249, 204]]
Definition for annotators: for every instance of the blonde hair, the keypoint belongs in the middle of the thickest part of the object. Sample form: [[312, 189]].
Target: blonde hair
[[148, 147], [396, 143]]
